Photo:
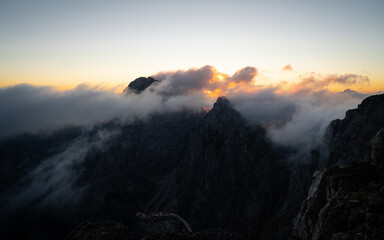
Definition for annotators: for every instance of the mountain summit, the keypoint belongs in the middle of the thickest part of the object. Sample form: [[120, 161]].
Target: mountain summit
[[139, 85]]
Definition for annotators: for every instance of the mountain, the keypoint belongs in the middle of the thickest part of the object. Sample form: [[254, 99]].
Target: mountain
[[230, 176], [210, 168], [194, 175], [139, 85], [346, 199], [349, 139]]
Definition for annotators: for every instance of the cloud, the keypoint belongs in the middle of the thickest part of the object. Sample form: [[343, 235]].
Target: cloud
[[264, 107], [53, 181], [26, 108], [314, 82], [207, 78], [246, 74], [185, 81], [346, 80], [312, 115], [287, 68], [287, 110]]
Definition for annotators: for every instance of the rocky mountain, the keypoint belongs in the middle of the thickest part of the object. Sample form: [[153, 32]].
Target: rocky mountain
[[211, 168], [346, 200], [343, 203], [139, 85], [349, 140], [194, 175]]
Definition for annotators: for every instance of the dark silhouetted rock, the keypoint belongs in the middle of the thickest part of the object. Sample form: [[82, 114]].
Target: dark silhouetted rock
[[139, 85], [343, 203], [212, 169], [349, 140]]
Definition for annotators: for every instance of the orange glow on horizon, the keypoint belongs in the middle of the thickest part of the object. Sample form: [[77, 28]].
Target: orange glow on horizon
[[221, 84]]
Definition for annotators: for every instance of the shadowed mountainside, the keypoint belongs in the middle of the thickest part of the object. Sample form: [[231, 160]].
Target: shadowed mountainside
[[210, 168], [223, 176]]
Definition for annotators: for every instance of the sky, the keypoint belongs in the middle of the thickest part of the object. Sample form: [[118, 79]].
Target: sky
[[110, 43]]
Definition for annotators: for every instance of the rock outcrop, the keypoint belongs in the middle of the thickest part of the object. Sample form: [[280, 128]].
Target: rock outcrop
[[346, 200], [343, 203], [139, 85], [349, 140]]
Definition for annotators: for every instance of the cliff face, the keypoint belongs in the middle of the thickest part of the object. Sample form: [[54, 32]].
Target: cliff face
[[343, 203], [349, 139], [348, 202]]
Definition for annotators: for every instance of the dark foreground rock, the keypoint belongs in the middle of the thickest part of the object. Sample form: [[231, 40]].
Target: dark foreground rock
[[349, 140], [343, 203], [156, 226]]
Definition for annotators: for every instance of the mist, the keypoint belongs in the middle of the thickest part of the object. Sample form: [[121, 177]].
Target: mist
[[294, 114], [26, 108]]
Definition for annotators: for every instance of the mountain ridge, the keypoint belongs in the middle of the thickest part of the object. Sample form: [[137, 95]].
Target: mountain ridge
[[211, 168]]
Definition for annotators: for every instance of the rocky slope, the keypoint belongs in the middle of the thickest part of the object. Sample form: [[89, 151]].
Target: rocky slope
[[343, 203], [224, 177], [210, 168], [348, 202], [349, 139], [229, 177]]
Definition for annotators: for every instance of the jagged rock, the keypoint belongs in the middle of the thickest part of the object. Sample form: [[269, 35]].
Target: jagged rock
[[343, 203], [300, 179], [347, 203], [349, 139], [230, 177], [139, 85]]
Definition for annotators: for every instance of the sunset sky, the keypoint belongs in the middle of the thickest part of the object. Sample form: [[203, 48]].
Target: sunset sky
[[110, 43]]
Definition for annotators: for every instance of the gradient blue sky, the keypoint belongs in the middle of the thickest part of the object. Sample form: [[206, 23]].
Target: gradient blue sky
[[65, 43]]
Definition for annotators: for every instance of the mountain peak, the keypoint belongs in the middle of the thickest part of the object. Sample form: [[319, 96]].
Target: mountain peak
[[222, 116], [139, 84], [222, 104]]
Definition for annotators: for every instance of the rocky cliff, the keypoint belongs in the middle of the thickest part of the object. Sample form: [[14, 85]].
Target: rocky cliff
[[346, 200], [349, 140], [343, 203]]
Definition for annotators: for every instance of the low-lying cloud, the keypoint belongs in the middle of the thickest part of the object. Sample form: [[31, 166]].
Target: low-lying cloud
[[26, 108], [294, 113]]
